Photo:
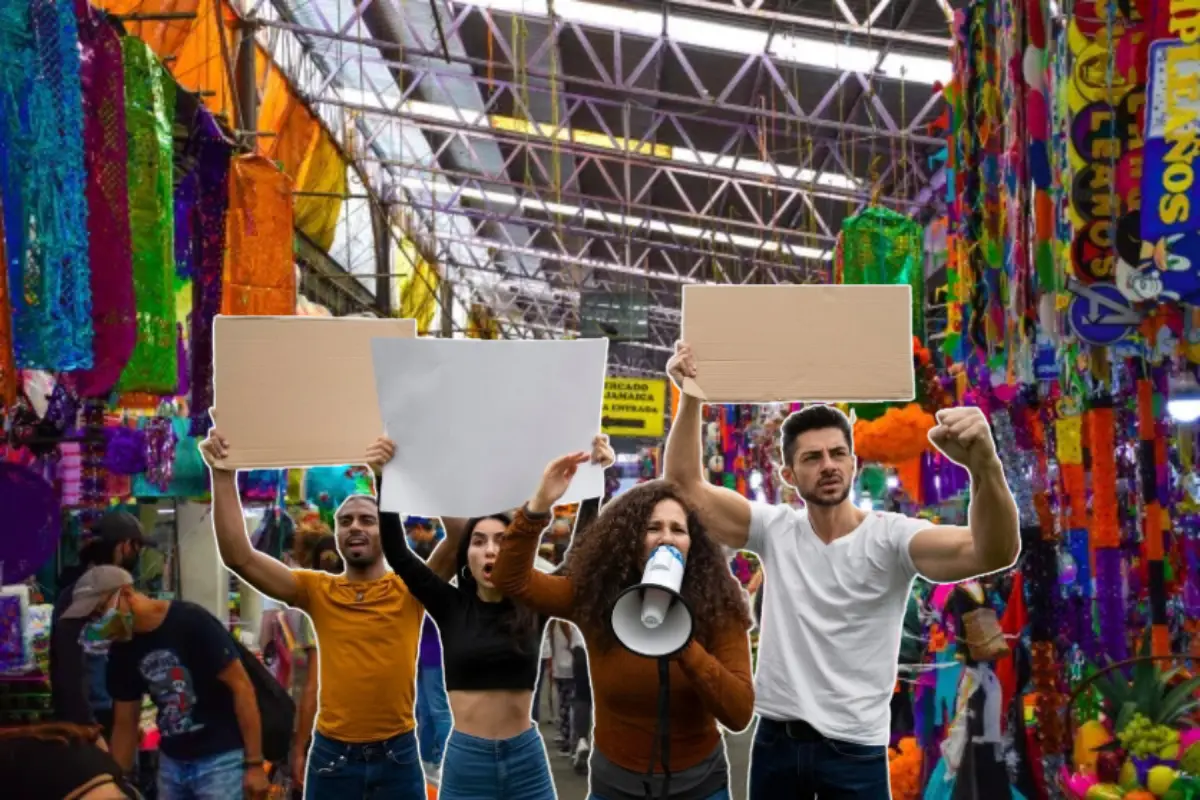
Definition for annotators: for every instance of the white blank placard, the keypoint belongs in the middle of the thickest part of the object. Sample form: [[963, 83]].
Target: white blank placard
[[475, 421]]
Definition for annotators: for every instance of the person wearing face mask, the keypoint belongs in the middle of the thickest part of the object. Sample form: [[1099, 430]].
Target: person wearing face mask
[[77, 676], [840, 581], [368, 625], [180, 655], [709, 681], [490, 658]]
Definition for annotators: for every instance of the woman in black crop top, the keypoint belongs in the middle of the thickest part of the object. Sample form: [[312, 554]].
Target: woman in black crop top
[[490, 653]]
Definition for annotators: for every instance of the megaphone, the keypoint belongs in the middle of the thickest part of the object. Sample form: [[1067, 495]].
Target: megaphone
[[652, 619]]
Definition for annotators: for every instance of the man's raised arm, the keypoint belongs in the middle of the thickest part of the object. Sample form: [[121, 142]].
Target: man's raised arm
[[724, 513], [260, 570]]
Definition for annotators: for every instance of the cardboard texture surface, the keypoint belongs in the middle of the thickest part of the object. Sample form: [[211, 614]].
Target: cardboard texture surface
[[298, 391], [770, 344]]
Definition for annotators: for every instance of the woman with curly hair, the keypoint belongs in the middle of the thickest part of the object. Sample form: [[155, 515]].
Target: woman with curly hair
[[710, 680], [59, 761]]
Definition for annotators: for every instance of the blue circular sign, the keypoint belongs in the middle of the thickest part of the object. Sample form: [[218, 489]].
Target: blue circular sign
[[1102, 316]]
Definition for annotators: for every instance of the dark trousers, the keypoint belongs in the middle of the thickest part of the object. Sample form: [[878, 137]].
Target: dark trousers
[[792, 760]]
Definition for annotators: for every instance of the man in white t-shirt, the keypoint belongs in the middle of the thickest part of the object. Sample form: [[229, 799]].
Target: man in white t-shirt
[[840, 579]]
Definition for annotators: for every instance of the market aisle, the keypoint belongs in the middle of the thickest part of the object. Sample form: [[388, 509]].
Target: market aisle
[[574, 787]]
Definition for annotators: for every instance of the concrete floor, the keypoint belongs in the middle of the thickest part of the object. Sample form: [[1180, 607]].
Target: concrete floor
[[575, 787]]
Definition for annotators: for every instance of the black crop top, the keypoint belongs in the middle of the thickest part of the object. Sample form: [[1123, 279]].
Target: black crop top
[[478, 654]]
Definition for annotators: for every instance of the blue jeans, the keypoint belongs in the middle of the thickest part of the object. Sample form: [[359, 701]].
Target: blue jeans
[[721, 795], [491, 769], [216, 777], [790, 765], [343, 771], [433, 714]]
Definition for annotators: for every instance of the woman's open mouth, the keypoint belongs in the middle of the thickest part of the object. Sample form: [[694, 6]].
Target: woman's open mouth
[[487, 570]]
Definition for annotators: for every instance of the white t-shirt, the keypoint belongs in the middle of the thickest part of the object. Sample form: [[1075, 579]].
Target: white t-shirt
[[558, 647], [832, 619]]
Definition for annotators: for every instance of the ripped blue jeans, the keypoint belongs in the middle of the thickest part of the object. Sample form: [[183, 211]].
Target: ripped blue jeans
[[344, 771]]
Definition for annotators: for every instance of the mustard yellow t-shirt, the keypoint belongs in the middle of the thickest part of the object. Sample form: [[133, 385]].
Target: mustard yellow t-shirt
[[367, 635]]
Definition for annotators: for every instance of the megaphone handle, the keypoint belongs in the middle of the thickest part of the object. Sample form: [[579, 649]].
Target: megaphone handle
[[662, 744], [664, 721]]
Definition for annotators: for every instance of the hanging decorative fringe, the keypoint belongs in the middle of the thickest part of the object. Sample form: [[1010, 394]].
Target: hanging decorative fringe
[[259, 278], [150, 115], [201, 257], [42, 182], [114, 312], [882, 246], [8, 368]]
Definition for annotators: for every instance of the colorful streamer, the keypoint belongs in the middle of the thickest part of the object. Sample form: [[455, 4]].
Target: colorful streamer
[[114, 311], [42, 180], [150, 115], [259, 277]]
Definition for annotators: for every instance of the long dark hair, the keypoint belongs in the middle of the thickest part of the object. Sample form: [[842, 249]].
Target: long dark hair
[[519, 623], [610, 558]]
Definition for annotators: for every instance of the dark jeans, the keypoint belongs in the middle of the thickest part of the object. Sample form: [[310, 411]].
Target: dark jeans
[[491, 769], [388, 770], [792, 760]]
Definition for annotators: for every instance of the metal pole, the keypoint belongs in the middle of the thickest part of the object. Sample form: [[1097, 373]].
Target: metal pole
[[247, 85]]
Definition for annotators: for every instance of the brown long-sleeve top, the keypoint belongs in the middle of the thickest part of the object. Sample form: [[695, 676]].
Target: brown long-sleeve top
[[706, 687]]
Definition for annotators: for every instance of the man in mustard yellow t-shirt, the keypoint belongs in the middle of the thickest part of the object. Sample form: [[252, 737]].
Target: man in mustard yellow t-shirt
[[368, 627]]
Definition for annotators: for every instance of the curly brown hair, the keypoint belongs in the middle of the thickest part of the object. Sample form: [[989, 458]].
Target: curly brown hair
[[609, 557]]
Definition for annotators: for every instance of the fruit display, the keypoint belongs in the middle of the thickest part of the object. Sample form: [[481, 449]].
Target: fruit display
[[1145, 746], [1141, 738]]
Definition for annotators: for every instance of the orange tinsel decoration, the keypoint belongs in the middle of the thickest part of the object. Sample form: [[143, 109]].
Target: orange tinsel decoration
[[904, 765], [900, 435]]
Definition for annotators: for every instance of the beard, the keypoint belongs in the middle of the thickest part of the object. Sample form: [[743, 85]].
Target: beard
[[365, 560], [816, 499]]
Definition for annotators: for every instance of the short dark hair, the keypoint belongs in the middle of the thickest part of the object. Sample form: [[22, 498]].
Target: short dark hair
[[813, 418]]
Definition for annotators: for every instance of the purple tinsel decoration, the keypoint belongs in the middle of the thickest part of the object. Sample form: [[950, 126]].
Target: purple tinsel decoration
[[125, 451], [213, 171], [941, 478], [181, 347], [160, 452], [1110, 603], [1191, 589], [32, 524]]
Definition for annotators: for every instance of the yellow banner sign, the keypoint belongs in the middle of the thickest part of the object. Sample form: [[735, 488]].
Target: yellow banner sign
[[634, 406]]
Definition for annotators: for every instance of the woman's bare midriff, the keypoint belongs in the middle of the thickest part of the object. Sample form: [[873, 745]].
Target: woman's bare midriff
[[494, 714]]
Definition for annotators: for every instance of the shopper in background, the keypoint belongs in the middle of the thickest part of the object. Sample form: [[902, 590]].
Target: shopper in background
[[185, 659], [710, 681], [368, 626], [433, 709], [77, 677], [561, 639], [490, 655], [840, 581], [59, 761]]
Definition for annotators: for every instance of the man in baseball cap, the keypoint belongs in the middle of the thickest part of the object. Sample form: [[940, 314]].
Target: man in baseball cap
[[189, 664], [77, 677], [94, 590]]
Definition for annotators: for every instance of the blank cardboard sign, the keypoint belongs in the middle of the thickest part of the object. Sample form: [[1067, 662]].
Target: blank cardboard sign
[[771, 344], [298, 391]]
